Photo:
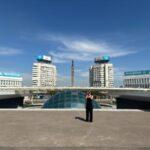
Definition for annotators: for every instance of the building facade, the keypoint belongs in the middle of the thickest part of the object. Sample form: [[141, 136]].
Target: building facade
[[10, 80], [44, 72], [137, 79], [101, 73]]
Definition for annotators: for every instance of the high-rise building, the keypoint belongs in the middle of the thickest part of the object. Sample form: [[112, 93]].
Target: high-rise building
[[137, 79], [10, 80], [72, 73], [101, 73], [44, 72]]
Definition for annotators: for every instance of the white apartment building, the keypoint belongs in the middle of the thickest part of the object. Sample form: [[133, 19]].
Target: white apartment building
[[44, 72], [10, 80], [137, 79], [101, 73]]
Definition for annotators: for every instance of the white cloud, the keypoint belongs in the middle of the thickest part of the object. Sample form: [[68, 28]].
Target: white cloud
[[10, 51], [122, 53], [84, 46], [82, 49], [67, 56]]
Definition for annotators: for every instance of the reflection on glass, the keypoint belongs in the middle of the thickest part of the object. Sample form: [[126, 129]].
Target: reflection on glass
[[68, 99]]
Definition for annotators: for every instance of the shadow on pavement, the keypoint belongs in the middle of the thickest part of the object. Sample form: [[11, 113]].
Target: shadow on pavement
[[80, 118]]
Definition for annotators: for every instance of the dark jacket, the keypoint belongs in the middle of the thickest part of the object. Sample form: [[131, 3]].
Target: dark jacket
[[89, 103]]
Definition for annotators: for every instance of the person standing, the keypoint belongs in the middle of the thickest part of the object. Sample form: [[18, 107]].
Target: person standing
[[89, 107]]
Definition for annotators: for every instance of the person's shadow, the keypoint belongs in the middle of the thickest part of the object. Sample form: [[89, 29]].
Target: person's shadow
[[80, 118]]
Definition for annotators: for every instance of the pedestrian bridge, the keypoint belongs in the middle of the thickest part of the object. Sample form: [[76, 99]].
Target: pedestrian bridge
[[134, 94], [97, 90]]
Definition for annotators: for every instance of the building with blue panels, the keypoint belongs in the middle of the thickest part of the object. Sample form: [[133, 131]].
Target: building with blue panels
[[44, 72], [68, 99], [137, 79], [10, 79], [101, 74]]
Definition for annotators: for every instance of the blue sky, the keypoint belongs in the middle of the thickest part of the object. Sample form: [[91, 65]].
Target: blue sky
[[74, 29]]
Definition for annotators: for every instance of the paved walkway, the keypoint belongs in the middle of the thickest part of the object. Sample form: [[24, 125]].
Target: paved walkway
[[43, 130]]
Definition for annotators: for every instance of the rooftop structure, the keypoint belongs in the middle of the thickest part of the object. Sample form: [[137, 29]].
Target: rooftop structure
[[15, 75], [44, 58], [135, 73], [103, 59]]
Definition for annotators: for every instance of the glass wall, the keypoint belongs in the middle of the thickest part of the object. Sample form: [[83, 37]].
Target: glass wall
[[68, 99]]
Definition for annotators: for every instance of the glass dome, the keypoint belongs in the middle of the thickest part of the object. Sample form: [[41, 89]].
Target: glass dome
[[68, 99]]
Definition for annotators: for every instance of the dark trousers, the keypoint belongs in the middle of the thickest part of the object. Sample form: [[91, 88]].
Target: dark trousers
[[89, 114]]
